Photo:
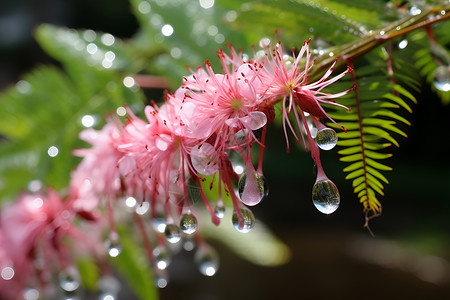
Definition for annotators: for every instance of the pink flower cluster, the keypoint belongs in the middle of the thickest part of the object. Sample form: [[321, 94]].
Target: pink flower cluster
[[180, 143]]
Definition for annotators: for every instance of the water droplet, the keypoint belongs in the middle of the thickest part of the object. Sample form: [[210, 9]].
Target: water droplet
[[326, 138], [207, 260], [88, 121], [288, 61], [128, 81], [172, 233], [259, 186], [52, 151], [162, 257], [69, 280], [7, 273], [403, 44], [144, 7], [142, 208], [108, 39], [325, 196], [113, 245], [188, 243], [167, 30], [159, 222], [414, 11], [109, 285], [246, 223], [161, 278], [219, 210], [442, 78], [188, 223], [30, 294], [264, 42], [206, 3], [23, 87]]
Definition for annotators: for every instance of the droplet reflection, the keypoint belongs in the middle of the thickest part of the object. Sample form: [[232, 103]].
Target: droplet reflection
[[325, 196]]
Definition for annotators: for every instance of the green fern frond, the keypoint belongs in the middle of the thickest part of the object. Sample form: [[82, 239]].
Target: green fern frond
[[372, 125]]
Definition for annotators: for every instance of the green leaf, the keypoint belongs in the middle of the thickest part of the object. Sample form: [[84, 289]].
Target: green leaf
[[49, 105], [87, 47], [351, 158], [377, 165], [259, 246], [89, 273], [134, 266]]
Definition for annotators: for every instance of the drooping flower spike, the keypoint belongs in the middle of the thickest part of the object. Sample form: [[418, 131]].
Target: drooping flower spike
[[193, 136]]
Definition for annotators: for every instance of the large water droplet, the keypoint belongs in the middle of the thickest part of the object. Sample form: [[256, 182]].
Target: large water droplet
[[219, 210], [326, 138], [207, 260], [172, 233], [442, 78], [69, 280], [188, 223], [325, 196], [253, 192], [247, 222], [162, 257]]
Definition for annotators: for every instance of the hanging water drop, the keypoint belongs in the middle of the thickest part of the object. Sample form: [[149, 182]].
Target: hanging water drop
[[207, 260], [109, 287], [69, 280], [442, 78], [260, 186], [326, 138], [172, 233], [162, 257], [161, 279], [188, 223], [219, 210], [159, 222], [113, 245], [325, 196], [247, 222]]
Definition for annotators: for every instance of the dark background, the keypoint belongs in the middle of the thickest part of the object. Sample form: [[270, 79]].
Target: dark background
[[333, 257]]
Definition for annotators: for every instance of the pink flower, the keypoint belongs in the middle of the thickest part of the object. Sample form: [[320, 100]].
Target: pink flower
[[97, 176], [290, 84], [31, 232]]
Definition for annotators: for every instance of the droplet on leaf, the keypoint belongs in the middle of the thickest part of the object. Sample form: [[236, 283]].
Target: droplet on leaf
[[325, 196]]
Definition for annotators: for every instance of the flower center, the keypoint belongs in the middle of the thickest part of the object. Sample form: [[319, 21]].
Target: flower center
[[236, 104]]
